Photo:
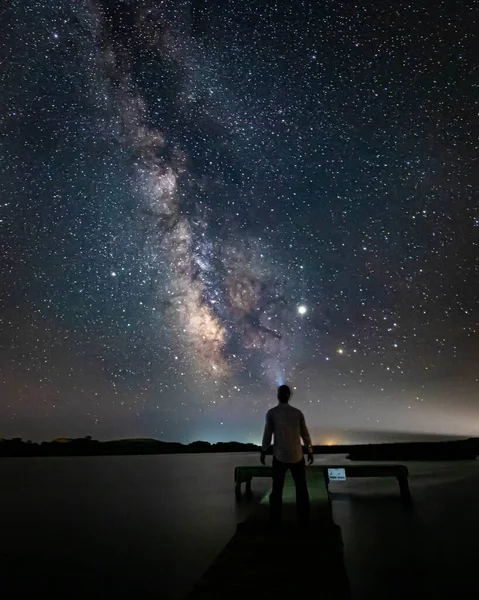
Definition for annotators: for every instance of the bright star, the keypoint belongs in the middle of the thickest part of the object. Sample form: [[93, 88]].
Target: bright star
[[340, 350], [302, 310]]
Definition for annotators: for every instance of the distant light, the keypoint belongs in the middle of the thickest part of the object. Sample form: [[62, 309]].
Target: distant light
[[302, 309], [340, 350], [113, 274]]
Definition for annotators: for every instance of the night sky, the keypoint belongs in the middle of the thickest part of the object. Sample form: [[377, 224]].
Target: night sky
[[200, 200]]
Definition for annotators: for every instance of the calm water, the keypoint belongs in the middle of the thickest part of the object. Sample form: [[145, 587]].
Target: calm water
[[125, 525]]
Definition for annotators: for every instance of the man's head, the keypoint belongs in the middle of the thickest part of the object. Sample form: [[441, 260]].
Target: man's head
[[284, 394]]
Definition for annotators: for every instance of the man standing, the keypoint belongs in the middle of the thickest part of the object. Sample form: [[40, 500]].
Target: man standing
[[288, 426]]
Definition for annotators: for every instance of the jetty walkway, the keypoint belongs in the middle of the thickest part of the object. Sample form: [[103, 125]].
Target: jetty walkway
[[261, 563]]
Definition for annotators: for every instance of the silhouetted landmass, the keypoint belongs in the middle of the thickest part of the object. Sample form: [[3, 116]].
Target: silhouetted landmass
[[451, 450], [88, 447], [456, 450]]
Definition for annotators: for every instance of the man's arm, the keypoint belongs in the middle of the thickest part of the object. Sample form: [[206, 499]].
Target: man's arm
[[306, 438], [267, 435]]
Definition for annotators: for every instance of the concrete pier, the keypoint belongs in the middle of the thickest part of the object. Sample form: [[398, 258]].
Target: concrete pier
[[260, 563]]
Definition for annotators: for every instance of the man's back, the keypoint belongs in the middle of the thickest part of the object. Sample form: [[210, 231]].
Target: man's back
[[287, 425]]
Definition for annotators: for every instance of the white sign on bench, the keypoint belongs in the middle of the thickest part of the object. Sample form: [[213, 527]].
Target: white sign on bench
[[337, 474]]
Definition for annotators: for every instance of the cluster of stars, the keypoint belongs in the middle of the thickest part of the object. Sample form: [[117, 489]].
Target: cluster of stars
[[198, 205]]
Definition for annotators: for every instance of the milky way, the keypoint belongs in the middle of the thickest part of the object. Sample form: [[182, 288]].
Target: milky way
[[200, 202], [213, 285]]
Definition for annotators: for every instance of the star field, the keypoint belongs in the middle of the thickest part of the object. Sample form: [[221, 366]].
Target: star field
[[201, 200]]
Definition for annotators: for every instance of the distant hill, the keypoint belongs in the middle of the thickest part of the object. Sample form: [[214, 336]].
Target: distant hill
[[453, 450], [448, 450], [89, 447]]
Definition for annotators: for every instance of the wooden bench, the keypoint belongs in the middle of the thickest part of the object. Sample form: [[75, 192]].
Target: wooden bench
[[400, 472]]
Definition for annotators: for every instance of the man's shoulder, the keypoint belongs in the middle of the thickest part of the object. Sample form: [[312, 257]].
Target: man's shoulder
[[280, 408], [275, 410]]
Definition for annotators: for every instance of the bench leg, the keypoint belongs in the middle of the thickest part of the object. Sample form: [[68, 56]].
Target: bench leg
[[248, 488], [238, 490], [405, 491]]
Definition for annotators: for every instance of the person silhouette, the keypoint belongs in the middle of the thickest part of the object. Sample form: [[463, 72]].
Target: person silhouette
[[288, 426]]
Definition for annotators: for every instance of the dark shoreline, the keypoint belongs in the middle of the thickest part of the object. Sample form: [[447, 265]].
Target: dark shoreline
[[466, 449]]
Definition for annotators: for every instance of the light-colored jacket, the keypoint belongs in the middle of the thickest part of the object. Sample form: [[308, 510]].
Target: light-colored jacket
[[288, 426]]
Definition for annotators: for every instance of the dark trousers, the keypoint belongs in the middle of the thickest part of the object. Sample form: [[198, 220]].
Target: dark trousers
[[298, 471]]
